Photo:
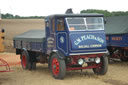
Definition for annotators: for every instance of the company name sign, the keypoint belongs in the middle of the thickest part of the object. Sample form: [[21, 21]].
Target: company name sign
[[88, 37]]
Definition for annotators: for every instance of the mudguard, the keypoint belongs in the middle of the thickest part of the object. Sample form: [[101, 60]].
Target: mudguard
[[107, 54], [25, 50], [61, 55]]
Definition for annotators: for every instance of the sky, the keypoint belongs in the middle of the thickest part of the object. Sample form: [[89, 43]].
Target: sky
[[48, 7]]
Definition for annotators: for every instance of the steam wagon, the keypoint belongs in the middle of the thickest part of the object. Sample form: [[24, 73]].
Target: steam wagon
[[117, 37], [69, 42]]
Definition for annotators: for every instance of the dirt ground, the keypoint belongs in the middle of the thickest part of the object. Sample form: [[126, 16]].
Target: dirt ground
[[117, 75], [14, 27]]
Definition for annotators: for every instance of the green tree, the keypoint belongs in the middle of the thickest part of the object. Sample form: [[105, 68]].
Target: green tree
[[11, 16], [105, 12]]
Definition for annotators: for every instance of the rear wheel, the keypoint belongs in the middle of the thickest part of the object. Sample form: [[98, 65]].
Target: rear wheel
[[25, 60], [102, 69], [33, 65], [57, 67], [32, 60]]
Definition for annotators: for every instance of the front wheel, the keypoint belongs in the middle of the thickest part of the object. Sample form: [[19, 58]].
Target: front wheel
[[102, 69], [57, 67]]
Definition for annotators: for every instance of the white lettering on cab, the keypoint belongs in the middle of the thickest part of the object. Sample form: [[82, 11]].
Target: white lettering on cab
[[86, 37]]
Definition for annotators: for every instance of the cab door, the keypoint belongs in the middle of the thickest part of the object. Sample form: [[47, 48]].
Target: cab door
[[61, 36]]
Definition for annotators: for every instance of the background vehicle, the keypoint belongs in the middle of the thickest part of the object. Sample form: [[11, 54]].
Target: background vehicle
[[117, 37], [69, 42]]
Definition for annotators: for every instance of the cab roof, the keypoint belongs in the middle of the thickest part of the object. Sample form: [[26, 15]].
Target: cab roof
[[76, 15]]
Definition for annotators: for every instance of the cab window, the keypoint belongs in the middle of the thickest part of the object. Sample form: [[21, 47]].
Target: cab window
[[53, 25], [60, 24]]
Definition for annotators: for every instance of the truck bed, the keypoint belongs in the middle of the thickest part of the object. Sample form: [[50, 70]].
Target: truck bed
[[116, 30], [118, 40], [116, 25], [33, 40], [31, 36]]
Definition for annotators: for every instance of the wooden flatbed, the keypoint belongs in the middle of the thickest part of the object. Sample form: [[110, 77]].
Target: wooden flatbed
[[32, 40]]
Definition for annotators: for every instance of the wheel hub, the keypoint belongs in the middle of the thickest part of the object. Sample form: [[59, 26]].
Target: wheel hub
[[24, 61], [55, 66]]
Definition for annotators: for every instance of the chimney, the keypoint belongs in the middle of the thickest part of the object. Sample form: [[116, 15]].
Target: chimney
[[69, 11]]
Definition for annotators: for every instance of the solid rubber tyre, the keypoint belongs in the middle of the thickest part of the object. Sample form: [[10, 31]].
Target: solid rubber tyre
[[33, 66], [103, 68], [25, 61], [109, 60], [32, 60], [57, 66]]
